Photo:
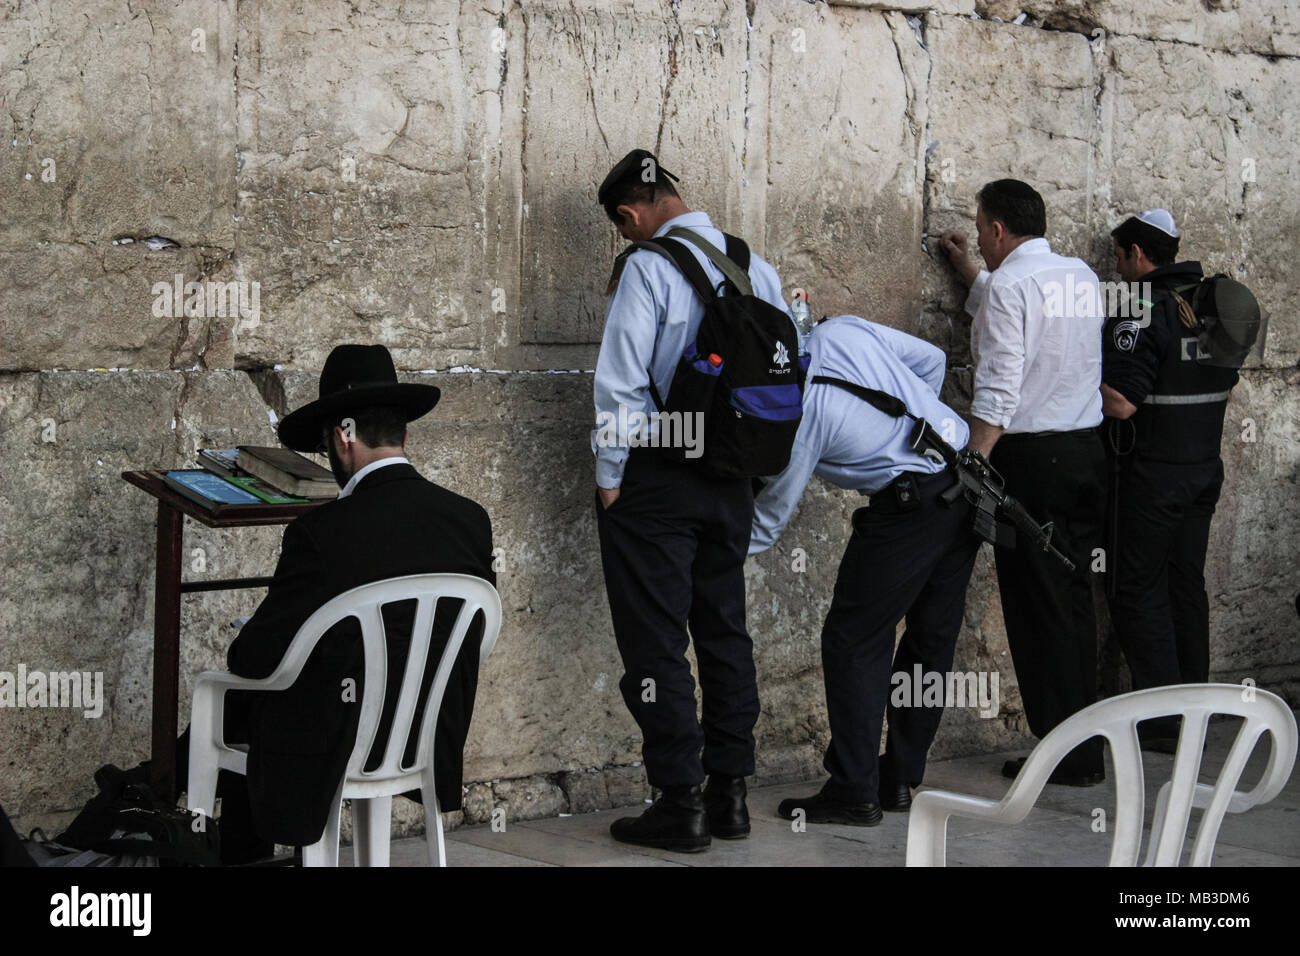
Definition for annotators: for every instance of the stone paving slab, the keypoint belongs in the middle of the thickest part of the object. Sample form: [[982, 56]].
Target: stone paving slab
[[461, 853], [772, 842], [567, 847], [1057, 832]]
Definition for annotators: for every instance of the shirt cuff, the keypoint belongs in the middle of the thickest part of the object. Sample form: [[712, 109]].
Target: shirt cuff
[[990, 409], [609, 470]]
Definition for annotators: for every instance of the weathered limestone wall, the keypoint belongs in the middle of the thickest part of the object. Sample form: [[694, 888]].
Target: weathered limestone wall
[[423, 174]]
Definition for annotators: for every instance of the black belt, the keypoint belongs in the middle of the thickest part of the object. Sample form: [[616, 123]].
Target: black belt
[[1077, 433], [908, 490]]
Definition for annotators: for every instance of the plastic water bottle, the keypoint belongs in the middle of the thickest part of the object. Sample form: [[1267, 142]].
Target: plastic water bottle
[[802, 316]]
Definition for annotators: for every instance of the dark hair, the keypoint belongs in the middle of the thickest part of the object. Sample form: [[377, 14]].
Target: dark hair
[[631, 191], [1016, 205], [1157, 246], [376, 426]]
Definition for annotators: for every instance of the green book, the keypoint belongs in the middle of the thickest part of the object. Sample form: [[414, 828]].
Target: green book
[[256, 486]]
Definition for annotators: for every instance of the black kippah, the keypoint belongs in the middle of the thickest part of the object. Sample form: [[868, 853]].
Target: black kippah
[[632, 168]]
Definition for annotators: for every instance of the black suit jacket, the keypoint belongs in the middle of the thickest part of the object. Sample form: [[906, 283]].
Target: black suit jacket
[[393, 523]]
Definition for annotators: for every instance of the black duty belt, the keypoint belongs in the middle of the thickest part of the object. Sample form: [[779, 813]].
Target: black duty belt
[[908, 491]]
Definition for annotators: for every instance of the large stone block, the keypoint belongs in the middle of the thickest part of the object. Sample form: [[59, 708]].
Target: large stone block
[[1207, 135], [1250, 573], [118, 125], [841, 151], [1257, 26], [79, 555], [114, 306], [1033, 118], [365, 154], [129, 114], [598, 82]]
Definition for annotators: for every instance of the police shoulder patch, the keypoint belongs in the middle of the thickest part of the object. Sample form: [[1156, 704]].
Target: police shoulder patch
[[1125, 335]]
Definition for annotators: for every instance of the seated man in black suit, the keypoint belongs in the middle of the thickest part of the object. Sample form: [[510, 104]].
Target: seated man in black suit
[[388, 521]]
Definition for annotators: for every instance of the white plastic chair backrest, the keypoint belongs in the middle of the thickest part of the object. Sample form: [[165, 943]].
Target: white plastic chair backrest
[[366, 603], [1117, 718]]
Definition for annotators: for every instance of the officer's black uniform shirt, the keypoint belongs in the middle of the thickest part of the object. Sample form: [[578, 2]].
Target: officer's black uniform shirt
[[1180, 402]]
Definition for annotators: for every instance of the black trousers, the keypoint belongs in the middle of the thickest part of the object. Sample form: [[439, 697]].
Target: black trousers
[[673, 548], [1050, 619], [898, 564], [1160, 611]]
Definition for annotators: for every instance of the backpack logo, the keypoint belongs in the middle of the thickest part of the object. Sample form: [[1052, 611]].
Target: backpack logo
[[782, 355]]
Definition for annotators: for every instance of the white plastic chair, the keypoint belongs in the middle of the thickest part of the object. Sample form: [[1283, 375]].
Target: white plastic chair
[[1116, 719], [370, 790]]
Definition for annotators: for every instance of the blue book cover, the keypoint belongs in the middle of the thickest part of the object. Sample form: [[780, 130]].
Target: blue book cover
[[212, 488]]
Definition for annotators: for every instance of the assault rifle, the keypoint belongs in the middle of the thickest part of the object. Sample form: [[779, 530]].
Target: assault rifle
[[984, 488], [977, 480]]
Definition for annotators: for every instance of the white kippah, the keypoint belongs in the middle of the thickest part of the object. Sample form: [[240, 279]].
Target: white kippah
[[1161, 219]]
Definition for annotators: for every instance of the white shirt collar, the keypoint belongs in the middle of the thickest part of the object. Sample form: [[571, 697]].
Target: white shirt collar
[[694, 219], [373, 466], [1036, 246]]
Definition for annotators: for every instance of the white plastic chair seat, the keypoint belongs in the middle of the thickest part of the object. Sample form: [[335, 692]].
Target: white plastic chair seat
[[370, 790], [1116, 719]]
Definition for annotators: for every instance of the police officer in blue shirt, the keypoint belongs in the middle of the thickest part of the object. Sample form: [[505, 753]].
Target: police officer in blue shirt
[[672, 538], [910, 556]]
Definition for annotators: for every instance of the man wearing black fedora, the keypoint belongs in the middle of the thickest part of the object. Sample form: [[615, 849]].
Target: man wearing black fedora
[[388, 521]]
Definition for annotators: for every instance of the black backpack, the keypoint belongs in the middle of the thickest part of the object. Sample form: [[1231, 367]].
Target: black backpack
[[1225, 316], [742, 372], [128, 817]]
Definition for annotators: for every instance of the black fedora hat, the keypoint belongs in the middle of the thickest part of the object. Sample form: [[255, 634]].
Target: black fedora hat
[[354, 377]]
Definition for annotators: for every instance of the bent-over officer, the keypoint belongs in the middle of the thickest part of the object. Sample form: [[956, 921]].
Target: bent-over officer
[[910, 556]]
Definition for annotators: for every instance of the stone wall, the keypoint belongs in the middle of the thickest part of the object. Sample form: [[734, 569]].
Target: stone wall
[[423, 174]]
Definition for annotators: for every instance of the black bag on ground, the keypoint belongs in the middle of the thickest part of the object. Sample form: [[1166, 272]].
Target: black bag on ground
[[127, 817], [12, 851], [742, 372]]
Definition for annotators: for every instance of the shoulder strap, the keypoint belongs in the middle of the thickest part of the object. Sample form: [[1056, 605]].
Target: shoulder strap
[[737, 276], [737, 251], [882, 400], [1186, 305], [686, 263], [690, 267]]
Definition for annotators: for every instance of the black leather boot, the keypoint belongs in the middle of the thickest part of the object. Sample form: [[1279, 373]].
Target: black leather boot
[[895, 796], [822, 808], [676, 821], [724, 802]]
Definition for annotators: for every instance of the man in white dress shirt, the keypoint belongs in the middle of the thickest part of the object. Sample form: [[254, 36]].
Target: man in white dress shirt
[[1036, 342]]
